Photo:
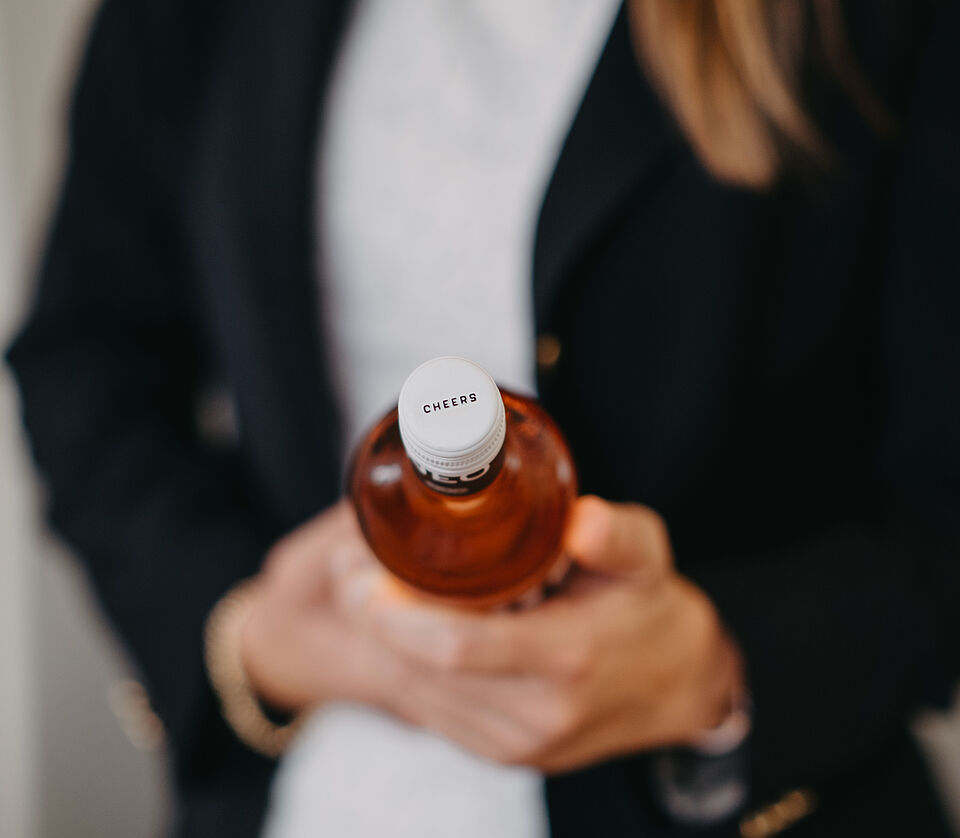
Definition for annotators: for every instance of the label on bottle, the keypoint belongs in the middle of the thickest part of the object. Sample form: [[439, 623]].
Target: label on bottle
[[454, 484]]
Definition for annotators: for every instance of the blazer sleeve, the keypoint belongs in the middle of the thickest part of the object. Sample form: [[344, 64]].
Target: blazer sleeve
[[108, 364], [848, 634]]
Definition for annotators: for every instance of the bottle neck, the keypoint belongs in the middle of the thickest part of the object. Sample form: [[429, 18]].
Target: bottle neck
[[453, 425], [460, 485]]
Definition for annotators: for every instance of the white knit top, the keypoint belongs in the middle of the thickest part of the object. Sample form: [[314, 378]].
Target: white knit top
[[442, 124]]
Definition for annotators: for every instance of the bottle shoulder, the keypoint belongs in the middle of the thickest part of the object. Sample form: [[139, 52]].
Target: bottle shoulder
[[532, 438], [481, 548]]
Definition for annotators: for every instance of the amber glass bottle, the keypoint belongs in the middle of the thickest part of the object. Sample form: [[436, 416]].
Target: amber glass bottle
[[463, 490]]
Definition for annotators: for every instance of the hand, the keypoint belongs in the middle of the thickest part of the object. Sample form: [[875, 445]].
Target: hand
[[297, 648], [628, 656]]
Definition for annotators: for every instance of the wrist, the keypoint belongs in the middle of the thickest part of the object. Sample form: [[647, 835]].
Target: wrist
[[704, 780], [715, 688], [729, 707], [257, 650], [227, 656]]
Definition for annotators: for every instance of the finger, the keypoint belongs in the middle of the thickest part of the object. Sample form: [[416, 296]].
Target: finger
[[603, 739], [478, 731], [627, 540], [313, 536], [306, 562], [464, 719], [529, 701], [448, 640], [352, 588], [349, 554]]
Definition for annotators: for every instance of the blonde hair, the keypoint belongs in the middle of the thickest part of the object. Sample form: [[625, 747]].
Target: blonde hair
[[729, 71]]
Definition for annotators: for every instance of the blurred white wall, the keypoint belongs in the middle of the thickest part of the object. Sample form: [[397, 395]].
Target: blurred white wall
[[67, 769], [18, 724], [66, 766]]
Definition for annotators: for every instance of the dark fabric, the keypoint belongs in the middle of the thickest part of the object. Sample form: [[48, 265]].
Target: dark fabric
[[776, 373], [894, 797]]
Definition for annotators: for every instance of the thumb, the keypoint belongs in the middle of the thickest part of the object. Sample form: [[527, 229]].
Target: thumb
[[617, 539]]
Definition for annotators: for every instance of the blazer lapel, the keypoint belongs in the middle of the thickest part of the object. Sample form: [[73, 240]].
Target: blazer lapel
[[617, 137], [254, 217]]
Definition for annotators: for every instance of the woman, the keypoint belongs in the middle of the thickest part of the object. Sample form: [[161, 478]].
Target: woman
[[742, 280]]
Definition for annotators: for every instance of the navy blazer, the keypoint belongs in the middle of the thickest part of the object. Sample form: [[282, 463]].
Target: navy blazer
[[776, 372]]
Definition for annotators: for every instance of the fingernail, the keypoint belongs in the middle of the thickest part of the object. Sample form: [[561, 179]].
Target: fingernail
[[531, 599], [559, 571]]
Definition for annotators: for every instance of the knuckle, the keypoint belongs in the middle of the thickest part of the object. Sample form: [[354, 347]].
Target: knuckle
[[455, 650], [576, 660], [560, 717], [279, 568]]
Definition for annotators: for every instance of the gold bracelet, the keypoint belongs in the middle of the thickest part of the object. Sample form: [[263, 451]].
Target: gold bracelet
[[238, 702]]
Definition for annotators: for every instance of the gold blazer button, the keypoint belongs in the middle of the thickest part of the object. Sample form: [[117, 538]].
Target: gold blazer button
[[548, 351]]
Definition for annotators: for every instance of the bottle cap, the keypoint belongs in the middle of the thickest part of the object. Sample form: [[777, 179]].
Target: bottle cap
[[452, 421]]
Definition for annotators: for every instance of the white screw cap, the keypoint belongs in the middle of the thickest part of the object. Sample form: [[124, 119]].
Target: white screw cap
[[451, 416]]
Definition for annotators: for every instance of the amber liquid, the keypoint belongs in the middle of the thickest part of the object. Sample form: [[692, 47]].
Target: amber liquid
[[482, 549]]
